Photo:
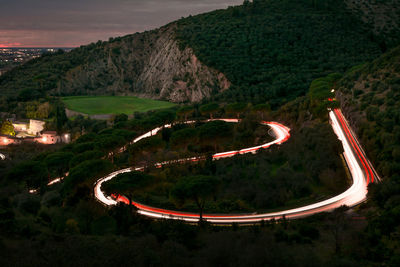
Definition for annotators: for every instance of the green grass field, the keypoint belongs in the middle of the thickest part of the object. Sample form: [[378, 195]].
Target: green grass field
[[94, 105]]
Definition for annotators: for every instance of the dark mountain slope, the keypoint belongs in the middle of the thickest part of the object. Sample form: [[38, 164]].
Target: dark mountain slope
[[383, 17], [272, 50], [370, 96], [267, 50], [146, 64]]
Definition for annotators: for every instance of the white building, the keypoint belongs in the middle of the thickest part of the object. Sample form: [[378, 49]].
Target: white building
[[35, 127], [20, 126]]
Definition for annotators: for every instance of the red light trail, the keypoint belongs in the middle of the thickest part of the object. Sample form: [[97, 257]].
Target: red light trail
[[351, 197]]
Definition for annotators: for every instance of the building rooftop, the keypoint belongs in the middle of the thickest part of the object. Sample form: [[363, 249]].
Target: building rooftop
[[49, 133]]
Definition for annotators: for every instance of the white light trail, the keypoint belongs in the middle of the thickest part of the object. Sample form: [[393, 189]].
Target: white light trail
[[351, 197], [280, 131], [54, 181]]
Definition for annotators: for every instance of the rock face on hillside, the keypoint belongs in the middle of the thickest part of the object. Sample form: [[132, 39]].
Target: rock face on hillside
[[265, 60], [148, 65]]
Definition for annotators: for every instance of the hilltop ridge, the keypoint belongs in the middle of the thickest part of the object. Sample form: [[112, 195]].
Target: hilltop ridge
[[261, 51]]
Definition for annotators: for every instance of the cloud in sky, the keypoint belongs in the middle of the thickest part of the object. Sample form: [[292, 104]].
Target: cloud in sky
[[76, 22]]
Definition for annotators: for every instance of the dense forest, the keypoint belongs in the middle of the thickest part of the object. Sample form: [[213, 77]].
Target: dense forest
[[272, 50], [52, 220], [283, 59], [63, 224], [370, 95], [269, 51]]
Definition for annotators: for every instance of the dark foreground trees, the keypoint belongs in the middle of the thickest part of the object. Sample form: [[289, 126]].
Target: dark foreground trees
[[33, 173], [128, 184], [197, 188]]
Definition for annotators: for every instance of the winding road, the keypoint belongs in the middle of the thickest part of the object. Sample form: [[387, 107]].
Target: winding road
[[361, 170]]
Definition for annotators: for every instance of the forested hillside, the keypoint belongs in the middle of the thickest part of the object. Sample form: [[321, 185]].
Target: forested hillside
[[147, 64], [265, 50], [370, 96], [381, 16], [272, 50], [274, 60], [66, 224]]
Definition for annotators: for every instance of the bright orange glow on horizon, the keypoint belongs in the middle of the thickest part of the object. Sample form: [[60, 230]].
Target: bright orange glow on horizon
[[8, 45]]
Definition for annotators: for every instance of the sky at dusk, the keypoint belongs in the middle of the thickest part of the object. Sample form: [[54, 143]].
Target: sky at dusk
[[70, 23]]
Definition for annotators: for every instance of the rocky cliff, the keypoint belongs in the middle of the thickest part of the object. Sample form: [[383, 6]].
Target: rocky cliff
[[148, 65]]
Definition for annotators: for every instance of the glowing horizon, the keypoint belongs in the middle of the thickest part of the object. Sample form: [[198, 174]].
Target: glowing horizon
[[56, 23]]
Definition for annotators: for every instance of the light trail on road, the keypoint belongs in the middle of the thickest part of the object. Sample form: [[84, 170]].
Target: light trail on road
[[370, 171], [281, 131], [2, 156], [360, 169]]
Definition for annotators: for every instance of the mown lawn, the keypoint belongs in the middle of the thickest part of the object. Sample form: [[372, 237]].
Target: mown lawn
[[93, 105]]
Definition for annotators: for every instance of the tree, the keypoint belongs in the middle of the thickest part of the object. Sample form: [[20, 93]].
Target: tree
[[43, 110], [120, 118], [214, 131], [185, 111], [166, 134], [183, 137], [236, 108], [164, 116], [262, 109], [59, 162], [246, 130], [85, 171], [61, 117], [71, 226], [87, 212], [31, 109], [87, 155], [33, 173], [128, 184], [110, 144], [197, 188], [124, 134], [28, 94], [209, 109], [7, 128], [321, 95], [40, 79], [123, 217], [337, 224], [36, 110], [147, 146]]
